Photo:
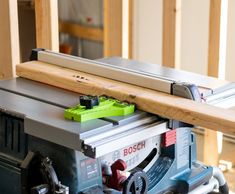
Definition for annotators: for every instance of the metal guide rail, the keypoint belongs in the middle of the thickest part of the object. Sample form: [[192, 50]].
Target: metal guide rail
[[134, 72], [166, 80], [105, 70]]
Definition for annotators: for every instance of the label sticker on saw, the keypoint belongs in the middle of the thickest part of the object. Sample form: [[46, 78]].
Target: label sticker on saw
[[89, 169], [182, 145], [134, 154]]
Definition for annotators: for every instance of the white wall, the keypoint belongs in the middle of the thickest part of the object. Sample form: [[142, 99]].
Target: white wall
[[230, 59], [194, 33], [147, 31]]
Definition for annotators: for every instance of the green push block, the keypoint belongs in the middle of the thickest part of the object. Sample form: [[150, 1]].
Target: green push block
[[107, 107]]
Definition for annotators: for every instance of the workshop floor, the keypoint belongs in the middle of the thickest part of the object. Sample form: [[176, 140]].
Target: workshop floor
[[228, 154]]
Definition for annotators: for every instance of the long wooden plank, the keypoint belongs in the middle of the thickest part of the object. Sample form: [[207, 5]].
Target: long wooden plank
[[47, 31], [9, 38], [159, 103], [112, 28], [85, 32], [171, 33]]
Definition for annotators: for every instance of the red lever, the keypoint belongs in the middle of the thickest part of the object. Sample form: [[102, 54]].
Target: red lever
[[116, 179], [169, 138]]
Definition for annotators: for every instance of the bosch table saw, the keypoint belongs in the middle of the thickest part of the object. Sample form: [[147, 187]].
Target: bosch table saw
[[41, 151]]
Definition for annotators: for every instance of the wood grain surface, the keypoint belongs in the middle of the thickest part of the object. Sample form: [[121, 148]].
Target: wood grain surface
[[171, 33], [112, 20], [155, 102], [9, 38], [47, 30]]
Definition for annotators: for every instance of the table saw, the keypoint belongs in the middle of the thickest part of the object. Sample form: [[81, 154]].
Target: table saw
[[41, 151]]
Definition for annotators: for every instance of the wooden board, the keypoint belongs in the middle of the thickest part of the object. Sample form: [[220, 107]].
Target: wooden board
[[214, 38], [211, 146], [84, 32], [112, 28], [159, 103], [130, 30], [47, 31], [9, 38], [212, 142], [171, 33]]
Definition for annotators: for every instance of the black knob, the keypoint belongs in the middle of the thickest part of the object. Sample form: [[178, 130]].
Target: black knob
[[89, 101], [136, 183]]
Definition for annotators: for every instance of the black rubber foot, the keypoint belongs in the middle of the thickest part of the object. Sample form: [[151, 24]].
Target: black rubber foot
[[224, 189]]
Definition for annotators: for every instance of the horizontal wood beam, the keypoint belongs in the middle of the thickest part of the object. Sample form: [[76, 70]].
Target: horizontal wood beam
[[155, 102], [84, 32]]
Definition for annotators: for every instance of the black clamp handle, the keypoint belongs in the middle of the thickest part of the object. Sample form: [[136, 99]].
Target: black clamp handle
[[136, 183], [89, 101]]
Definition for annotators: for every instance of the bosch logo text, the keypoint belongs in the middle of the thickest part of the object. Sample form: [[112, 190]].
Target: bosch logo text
[[134, 148]]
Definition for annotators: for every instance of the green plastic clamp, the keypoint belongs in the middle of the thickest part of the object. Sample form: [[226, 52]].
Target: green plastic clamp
[[107, 107]]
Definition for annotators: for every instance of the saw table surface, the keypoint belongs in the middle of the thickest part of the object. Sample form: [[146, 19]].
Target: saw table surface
[[42, 108], [152, 101]]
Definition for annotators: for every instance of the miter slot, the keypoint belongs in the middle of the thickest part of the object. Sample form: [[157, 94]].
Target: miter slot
[[103, 146], [122, 120], [119, 129], [46, 121]]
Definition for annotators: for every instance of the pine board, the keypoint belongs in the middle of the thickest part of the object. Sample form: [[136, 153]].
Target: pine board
[[151, 101]]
